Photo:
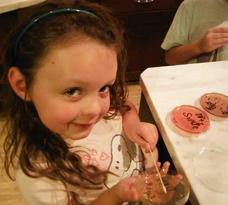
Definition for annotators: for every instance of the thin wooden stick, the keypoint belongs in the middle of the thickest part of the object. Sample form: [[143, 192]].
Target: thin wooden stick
[[159, 175]]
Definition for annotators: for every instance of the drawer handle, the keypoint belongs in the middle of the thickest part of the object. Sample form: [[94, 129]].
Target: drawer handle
[[143, 1]]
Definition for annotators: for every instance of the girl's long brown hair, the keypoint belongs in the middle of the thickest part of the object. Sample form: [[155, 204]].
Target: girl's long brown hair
[[27, 139]]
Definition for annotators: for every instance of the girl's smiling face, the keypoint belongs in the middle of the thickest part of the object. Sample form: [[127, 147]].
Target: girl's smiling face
[[71, 87]]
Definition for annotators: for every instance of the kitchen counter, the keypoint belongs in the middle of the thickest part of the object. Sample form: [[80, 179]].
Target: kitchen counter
[[203, 159]]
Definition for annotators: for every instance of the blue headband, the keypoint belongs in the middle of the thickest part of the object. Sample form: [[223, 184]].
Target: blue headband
[[42, 16]]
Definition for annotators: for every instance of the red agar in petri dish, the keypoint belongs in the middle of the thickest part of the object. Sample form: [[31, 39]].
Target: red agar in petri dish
[[215, 104], [190, 119]]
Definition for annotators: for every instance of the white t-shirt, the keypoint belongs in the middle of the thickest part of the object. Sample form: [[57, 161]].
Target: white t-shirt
[[106, 148], [193, 18]]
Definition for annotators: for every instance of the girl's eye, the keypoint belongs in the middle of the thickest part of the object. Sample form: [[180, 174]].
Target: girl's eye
[[105, 89], [72, 92]]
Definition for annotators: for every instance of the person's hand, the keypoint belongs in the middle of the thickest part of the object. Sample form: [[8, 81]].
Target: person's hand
[[214, 38], [127, 190], [130, 189], [142, 133], [147, 186], [154, 189]]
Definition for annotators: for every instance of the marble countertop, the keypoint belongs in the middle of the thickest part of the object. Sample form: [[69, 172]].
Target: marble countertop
[[167, 87], [10, 5]]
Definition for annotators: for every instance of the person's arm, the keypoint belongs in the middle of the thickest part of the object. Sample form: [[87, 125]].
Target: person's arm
[[43, 191], [135, 188], [181, 54], [142, 133], [107, 197], [128, 189], [214, 38]]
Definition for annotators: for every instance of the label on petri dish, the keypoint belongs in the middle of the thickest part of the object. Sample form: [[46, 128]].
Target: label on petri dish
[[215, 104], [190, 119]]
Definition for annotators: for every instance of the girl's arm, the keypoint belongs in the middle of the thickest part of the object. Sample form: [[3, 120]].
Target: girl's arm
[[128, 189], [142, 133], [134, 188], [43, 191]]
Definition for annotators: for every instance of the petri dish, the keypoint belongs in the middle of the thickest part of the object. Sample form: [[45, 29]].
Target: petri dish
[[176, 195], [188, 120], [215, 104], [210, 167]]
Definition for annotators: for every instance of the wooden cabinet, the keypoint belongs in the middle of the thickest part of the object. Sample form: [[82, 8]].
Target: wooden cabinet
[[7, 21], [146, 25]]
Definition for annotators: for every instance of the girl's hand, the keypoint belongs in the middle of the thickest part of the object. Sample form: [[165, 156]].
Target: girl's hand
[[130, 189], [154, 190], [142, 133], [146, 135], [146, 185], [174, 179]]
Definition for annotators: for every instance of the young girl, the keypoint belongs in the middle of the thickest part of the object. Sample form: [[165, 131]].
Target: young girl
[[64, 70]]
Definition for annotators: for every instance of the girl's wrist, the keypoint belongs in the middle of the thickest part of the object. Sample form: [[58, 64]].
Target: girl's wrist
[[109, 196], [116, 197]]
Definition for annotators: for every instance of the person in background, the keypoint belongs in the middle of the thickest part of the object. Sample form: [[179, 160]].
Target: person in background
[[65, 100], [198, 33]]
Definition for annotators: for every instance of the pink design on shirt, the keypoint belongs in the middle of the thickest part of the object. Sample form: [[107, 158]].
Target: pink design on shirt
[[104, 156], [95, 158]]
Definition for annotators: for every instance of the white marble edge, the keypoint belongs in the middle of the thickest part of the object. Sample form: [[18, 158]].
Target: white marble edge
[[10, 5], [154, 82]]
